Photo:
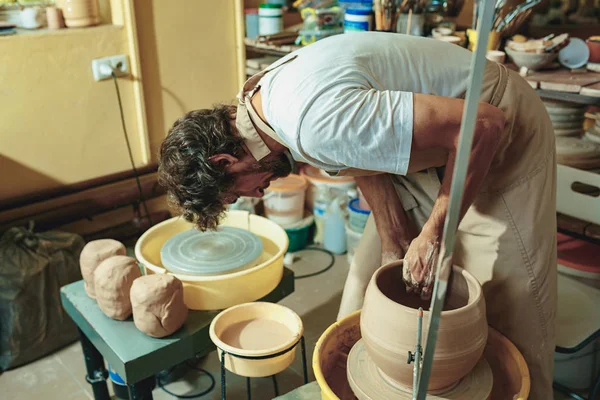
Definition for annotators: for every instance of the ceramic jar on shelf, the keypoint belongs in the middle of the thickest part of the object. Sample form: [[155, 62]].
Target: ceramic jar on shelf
[[389, 327], [79, 13]]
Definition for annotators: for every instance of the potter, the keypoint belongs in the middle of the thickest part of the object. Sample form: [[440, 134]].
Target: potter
[[388, 110]]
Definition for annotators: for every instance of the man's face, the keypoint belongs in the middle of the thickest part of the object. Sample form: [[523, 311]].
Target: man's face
[[254, 177]]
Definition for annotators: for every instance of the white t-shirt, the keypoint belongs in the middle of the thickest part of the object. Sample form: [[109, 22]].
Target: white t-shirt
[[346, 101]]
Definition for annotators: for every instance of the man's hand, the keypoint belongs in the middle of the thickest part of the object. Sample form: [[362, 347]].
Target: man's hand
[[420, 264]]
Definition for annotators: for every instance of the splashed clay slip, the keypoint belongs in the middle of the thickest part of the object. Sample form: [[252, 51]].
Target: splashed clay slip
[[92, 255], [389, 327]]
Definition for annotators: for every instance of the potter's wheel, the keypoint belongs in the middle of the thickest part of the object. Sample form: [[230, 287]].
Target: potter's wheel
[[368, 383], [213, 252]]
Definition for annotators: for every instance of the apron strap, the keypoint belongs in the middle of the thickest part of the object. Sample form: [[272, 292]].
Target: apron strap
[[247, 117]]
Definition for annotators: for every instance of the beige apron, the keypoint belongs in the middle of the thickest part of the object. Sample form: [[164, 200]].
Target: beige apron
[[507, 239]]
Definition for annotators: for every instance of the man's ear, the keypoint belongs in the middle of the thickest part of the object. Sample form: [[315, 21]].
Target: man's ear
[[224, 160]]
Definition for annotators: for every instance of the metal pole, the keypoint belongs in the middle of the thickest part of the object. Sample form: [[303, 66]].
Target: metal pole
[[456, 191]]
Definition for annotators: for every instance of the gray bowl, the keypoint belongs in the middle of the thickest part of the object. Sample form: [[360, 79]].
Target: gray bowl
[[531, 61]]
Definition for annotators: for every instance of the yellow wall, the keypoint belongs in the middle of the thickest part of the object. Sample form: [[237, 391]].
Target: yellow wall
[[59, 126], [187, 50]]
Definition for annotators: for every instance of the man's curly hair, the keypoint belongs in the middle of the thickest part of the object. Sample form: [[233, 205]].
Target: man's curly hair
[[195, 185]]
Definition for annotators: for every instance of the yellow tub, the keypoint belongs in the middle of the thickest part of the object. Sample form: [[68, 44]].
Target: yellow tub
[[221, 291], [511, 375], [244, 313]]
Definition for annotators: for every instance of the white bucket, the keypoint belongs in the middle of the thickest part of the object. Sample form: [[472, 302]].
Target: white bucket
[[316, 177], [284, 200], [352, 240]]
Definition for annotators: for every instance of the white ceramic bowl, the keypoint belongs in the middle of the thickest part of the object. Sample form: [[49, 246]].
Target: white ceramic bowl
[[531, 61]]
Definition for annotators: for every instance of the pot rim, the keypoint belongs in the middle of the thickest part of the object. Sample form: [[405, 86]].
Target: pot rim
[[456, 269]]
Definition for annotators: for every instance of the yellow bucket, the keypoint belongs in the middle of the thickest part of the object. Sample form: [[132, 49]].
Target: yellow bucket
[[221, 291], [511, 375], [493, 40]]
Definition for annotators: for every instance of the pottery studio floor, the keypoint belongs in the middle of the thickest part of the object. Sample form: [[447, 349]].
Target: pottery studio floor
[[61, 376]]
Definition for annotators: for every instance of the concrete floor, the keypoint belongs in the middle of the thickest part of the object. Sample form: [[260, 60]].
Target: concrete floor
[[61, 376]]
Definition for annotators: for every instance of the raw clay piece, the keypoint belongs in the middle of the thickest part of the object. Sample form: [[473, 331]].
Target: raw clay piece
[[158, 307], [112, 282], [92, 255]]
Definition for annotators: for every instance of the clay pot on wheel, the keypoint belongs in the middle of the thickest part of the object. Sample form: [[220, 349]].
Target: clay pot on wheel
[[388, 325]]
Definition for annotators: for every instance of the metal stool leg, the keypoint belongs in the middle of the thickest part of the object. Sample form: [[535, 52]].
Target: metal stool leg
[[142, 390], [275, 386], [304, 370], [248, 389], [96, 373], [223, 389]]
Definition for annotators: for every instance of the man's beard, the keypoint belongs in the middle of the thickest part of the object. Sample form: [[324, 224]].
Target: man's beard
[[280, 167]]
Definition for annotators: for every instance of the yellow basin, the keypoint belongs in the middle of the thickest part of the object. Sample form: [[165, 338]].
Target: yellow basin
[[511, 375], [218, 292]]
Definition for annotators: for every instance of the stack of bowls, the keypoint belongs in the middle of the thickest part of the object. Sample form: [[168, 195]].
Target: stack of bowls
[[567, 118]]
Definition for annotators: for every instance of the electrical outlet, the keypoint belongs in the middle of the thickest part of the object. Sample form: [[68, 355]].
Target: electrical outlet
[[103, 67]]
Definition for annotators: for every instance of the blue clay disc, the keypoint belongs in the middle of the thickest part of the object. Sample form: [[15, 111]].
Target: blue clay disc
[[210, 253]]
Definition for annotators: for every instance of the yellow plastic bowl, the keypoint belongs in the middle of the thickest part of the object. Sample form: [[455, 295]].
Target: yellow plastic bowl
[[221, 291], [250, 312], [511, 375]]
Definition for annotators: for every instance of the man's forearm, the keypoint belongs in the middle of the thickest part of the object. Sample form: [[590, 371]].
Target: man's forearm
[[485, 143], [394, 227]]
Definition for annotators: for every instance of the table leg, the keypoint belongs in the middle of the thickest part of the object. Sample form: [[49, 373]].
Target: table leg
[[142, 390], [96, 373]]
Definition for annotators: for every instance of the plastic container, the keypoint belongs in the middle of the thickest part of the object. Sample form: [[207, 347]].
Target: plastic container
[[270, 19], [252, 23], [352, 240], [357, 216], [257, 313], [345, 4], [357, 20], [309, 37], [321, 202], [118, 384], [317, 178], [299, 236], [322, 18], [334, 230], [284, 199]]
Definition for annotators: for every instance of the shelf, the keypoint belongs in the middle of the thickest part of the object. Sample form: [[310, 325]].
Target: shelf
[[569, 97], [268, 49], [45, 32]]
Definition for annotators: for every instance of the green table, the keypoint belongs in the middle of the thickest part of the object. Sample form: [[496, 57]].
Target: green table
[[136, 357]]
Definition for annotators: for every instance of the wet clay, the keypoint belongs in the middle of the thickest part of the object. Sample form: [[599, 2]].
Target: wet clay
[[391, 284], [257, 334], [112, 283], [388, 325], [92, 254], [157, 304]]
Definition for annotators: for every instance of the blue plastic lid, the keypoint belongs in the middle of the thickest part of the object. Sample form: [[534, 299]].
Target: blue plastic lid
[[358, 11], [209, 253], [353, 205]]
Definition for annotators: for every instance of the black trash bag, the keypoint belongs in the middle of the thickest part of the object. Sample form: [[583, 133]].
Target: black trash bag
[[33, 268]]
